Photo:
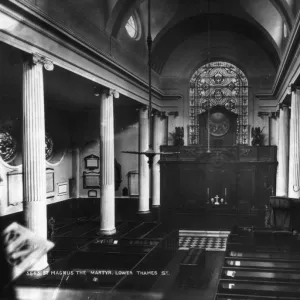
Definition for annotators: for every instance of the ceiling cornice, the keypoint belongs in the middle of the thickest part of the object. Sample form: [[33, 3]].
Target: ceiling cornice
[[288, 67], [70, 39]]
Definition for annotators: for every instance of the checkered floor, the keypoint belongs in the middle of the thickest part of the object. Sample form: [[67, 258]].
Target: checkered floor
[[209, 243]]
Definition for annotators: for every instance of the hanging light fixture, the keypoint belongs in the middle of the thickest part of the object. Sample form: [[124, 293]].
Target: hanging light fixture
[[150, 153]]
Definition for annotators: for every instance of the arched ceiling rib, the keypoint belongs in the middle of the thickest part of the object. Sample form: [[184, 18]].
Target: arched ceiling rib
[[161, 13], [285, 11], [121, 11], [273, 23], [269, 13]]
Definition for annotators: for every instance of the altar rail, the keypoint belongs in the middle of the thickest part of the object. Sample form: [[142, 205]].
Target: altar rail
[[240, 153], [227, 178]]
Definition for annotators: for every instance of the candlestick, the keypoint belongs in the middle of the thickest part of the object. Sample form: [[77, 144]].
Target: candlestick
[[207, 195]]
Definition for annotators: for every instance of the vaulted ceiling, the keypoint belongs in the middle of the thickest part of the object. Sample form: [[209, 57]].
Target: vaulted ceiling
[[267, 23], [252, 34]]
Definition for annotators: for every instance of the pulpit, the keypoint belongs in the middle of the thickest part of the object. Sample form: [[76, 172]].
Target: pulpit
[[282, 212]]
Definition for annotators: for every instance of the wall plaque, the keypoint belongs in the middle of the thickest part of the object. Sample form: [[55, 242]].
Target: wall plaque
[[91, 180], [50, 188], [92, 193], [133, 183], [62, 188], [91, 162], [15, 188]]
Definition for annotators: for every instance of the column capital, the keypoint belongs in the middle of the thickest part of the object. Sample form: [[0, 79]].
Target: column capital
[[36, 58], [283, 105], [110, 92], [161, 114], [293, 87], [263, 114], [274, 114], [173, 113], [143, 107], [114, 93]]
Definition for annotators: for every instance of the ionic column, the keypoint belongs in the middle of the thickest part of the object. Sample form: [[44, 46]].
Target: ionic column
[[159, 138], [107, 166], [283, 152], [294, 165], [144, 173], [34, 160]]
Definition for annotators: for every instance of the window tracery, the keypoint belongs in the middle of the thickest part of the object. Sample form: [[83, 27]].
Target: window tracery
[[131, 27], [218, 83]]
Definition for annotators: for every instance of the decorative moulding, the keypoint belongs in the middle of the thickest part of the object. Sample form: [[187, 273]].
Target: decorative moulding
[[50, 164], [85, 46], [8, 146], [10, 167], [91, 162], [62, 188]]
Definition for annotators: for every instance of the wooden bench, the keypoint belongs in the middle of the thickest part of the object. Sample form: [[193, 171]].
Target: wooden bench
[[191, 267]]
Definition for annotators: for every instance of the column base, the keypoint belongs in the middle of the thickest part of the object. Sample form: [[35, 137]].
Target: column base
[[107, 231], [156, 213], [144, 212], [144, 216], [32, 274]]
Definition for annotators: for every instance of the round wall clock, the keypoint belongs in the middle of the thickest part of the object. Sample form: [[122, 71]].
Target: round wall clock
[[219, 124]]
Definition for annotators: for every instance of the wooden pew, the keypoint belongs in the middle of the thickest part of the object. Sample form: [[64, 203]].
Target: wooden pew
[[191, 267]]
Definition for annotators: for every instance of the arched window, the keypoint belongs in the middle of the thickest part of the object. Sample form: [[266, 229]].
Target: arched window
[[133, 26], [218, 83]]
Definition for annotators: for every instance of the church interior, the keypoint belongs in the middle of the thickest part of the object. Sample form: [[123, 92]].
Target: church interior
[[150, 149]]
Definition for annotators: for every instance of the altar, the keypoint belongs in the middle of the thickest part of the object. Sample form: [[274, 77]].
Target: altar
[[228, 177]]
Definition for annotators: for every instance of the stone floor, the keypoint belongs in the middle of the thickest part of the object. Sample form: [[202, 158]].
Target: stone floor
[[84, 230]]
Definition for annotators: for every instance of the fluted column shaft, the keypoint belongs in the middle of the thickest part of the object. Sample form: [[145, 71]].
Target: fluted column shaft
[[283, 152], [34, 161], [294, 165], [107, 167], [144, 173], [159, 138]]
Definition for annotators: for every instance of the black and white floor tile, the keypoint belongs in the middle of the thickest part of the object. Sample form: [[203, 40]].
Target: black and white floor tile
[[210, 241]]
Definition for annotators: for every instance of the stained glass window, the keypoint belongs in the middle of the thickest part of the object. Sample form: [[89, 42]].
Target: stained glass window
[[131, 27], [218, 83]]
